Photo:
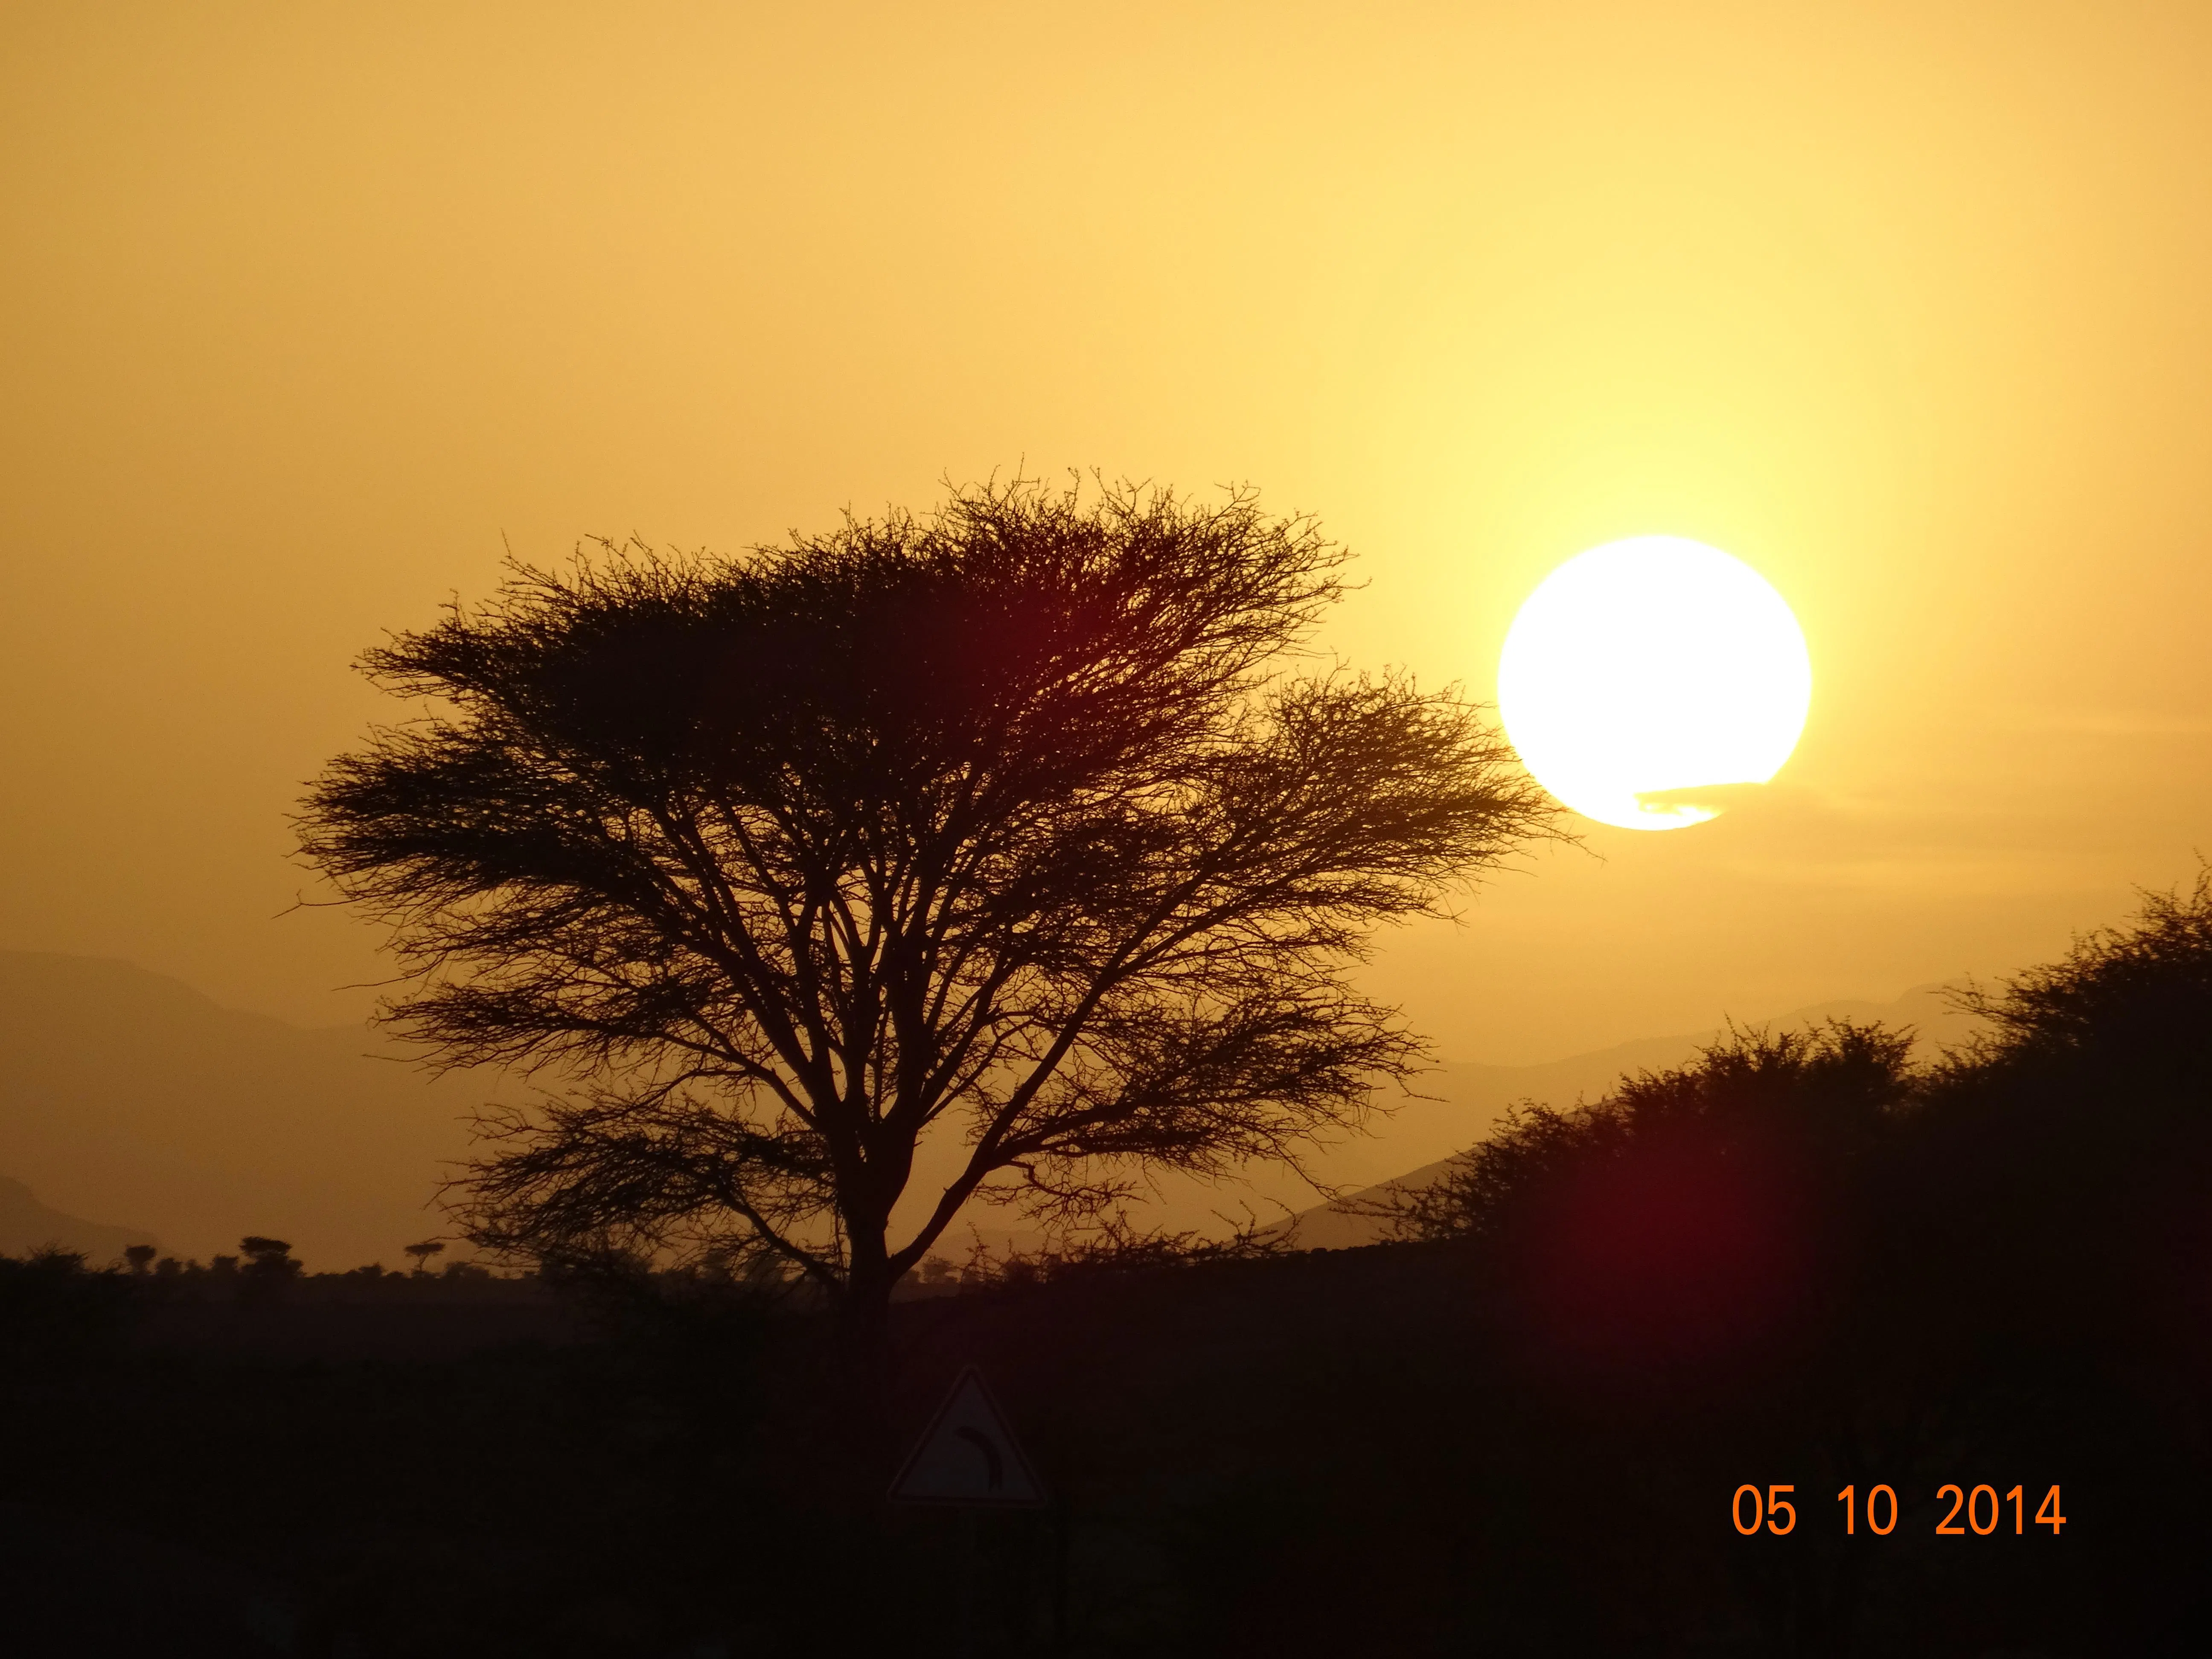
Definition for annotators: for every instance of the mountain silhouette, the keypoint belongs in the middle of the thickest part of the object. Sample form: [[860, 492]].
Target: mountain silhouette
[[124, 1092], [26, 1225], [127, 1093]]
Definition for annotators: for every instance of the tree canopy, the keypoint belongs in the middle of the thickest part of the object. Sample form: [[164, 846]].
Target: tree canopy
[[1031, 820]]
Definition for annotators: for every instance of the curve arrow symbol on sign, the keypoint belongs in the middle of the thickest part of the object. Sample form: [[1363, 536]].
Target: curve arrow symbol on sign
[[968, 1457]]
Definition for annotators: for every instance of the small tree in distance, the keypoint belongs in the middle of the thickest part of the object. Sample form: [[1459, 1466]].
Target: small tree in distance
[[1024, 822], [272, 1256], [270, 1266], [423, 1253]]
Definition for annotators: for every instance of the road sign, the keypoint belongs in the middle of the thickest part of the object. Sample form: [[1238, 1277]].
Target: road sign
[[968, 1456]]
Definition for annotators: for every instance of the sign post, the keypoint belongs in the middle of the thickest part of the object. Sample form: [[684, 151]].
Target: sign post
[[968, 1459]]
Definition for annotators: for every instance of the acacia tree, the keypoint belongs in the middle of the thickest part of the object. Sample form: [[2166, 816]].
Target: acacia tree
[[1028, 821]]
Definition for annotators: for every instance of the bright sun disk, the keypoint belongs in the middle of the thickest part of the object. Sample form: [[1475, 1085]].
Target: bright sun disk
[[1654, 666]]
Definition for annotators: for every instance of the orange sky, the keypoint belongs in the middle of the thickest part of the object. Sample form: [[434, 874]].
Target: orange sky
[[303, 310]]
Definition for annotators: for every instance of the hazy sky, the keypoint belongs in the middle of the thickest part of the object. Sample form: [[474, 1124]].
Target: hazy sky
[[306, 311]]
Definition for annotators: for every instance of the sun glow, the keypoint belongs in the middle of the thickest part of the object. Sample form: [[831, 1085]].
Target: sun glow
[[1653, 667]]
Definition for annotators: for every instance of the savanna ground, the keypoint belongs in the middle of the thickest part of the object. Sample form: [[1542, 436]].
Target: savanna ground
[[1802, 1259]]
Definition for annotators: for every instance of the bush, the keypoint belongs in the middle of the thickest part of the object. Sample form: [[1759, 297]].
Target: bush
[[54, 1311]]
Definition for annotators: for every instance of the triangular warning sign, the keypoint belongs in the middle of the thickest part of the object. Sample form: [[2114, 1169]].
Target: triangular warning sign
[[969, 1455]]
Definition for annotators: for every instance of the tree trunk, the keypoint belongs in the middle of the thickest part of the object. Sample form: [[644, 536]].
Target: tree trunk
[[861, 1356]]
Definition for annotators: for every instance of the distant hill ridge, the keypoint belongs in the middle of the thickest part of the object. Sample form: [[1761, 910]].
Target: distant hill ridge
[[26, 1224], [124, 1092]]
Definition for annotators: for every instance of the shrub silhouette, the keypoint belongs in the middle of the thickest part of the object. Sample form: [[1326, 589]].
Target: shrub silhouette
[[1796, 1259], [1690, 1212], [54, 1311], [2061, 1165]]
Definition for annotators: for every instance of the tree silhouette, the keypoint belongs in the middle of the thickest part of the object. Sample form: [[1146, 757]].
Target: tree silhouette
[[140, 1256], [1026, 821], [423, 1253], [268, 1261]]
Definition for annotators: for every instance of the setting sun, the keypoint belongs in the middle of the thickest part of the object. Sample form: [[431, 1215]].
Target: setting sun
[[824, 828], [1648, 668]]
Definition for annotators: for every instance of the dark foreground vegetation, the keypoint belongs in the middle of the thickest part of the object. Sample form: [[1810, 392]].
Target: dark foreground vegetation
[[1799, 1261]]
